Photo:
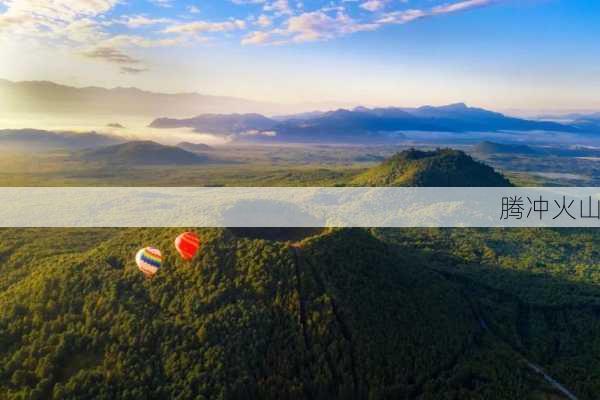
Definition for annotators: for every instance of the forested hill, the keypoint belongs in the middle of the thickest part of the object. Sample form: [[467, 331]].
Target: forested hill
[[438, 168], [341, 315]]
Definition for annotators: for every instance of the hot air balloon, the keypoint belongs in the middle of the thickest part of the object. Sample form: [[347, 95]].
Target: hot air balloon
[[187, 245], [148, 260]]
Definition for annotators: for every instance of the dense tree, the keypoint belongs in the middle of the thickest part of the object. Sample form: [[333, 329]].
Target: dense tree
[[394, 313]]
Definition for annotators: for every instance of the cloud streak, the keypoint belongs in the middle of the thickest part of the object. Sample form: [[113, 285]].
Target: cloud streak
[[76, 23], [132, 70], [111, 55], [323, 25]]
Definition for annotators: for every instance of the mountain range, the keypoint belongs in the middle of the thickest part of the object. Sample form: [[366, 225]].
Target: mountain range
[[49, 97], [358, 125]]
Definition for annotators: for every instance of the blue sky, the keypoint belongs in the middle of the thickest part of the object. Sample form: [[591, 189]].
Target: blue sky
[[504, 54]]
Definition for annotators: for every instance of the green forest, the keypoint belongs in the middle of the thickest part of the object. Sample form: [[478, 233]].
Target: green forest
[[347, 313], [310, 314]]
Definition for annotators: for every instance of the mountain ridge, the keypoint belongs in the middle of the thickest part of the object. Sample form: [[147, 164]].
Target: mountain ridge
[[51, 97], [360, 124]]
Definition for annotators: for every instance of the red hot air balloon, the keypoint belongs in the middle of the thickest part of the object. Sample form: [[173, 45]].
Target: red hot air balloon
[[187, 244]]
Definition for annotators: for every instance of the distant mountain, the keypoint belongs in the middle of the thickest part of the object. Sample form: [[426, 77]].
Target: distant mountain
[[588, 122], [451, 118], [40, 140], [223, 124], [360, 125], [143, 153], [502, 148], [50, 98], [444, 168], [300, 116], [194, 147]]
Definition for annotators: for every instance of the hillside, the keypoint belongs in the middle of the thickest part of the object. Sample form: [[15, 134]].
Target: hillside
[[343, 315], [142, 153], [502, 148], [443, 167]]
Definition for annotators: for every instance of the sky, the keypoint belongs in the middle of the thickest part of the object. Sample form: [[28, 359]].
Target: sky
[[500, 54]]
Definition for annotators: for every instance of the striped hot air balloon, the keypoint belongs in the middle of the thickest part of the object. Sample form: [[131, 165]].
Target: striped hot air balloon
[[187, 245], [149, 260]]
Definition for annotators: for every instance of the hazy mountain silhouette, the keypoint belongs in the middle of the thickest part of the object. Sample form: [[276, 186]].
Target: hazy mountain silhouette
[[49, 97], [362, 125], [40, 140]]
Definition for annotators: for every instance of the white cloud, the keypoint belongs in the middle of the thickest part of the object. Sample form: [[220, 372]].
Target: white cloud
[[162, 3], [373, 5], [279, 7], [205, 26], [57, 19], [402, 17], [461, 6], [123, 41], [76, 23], [309, 27], [264, 21], [320, 26], [262, 38], [138, 21], [244, 2]]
